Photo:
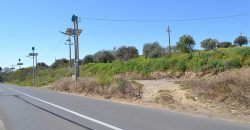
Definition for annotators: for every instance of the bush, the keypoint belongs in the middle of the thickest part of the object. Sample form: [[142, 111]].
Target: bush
[[233, 62], [181, 66], [104, 57], [60, 63], [224, 44], [126, 53], [153, 50], [119, 87], [42, 65], [247, 62], [88, 59]]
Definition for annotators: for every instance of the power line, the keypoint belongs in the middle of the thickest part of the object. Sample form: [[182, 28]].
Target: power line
[[54, 48], [165, 20]]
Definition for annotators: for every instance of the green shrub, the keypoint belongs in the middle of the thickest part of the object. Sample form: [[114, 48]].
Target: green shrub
[[233, 62], [181, 66], [247, 61]]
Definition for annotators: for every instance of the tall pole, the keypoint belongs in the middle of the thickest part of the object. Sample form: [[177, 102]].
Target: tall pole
[[75, 21], [70, 59], [169, 45], [34, 56], [36, 66], [33, 49]]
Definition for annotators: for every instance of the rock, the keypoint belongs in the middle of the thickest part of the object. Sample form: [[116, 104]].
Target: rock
[[233, 111]]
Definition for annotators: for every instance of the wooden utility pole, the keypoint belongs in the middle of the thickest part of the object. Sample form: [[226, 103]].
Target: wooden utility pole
[[69, 43], [76, 33]]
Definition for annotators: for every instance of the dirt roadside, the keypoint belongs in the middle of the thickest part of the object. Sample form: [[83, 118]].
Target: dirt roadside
[[169, 95]]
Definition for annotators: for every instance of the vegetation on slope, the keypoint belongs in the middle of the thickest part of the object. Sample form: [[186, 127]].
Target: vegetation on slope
[[212, 61]]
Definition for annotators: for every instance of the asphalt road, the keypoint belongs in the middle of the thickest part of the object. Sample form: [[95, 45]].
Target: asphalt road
[[37, 109]]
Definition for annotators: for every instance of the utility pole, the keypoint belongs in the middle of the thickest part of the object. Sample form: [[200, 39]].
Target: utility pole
[[19, 63], [69, 32], [34, 56], [76, 33], [69, 40], [169, 45]]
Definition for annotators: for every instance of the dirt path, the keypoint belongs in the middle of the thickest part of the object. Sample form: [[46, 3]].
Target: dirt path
[[171, 95], [151, 87]]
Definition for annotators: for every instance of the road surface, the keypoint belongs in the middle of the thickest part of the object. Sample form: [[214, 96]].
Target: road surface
[[23, 108]]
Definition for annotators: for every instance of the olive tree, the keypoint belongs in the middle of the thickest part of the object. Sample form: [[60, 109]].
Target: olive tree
[[125, 53], [153, 50], [224, 44], [88, 59], [209, 43], [240, 40], [104, 56], [185, 44]]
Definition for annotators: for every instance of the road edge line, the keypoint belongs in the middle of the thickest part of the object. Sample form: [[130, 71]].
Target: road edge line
[[65, 109]]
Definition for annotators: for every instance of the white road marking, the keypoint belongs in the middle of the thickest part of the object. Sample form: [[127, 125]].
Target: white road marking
[[65, 109]]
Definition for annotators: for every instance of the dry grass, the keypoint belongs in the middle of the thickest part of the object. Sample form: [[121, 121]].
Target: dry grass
[[119, 88], [62, 85], [165, 98], [231, 87]]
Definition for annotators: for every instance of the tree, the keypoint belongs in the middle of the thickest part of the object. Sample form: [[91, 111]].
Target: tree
[[186, 44], [241, 40], [104, 57], [7, 70], [209, 43], [1, 75], [60, 63], [88, 59], [126, 53], [42, 65], [153, 50], [224, 44]]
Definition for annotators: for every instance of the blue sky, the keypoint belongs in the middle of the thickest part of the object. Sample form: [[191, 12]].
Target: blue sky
[[27, 23]]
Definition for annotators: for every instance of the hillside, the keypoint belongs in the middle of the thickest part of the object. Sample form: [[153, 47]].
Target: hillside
[[171, 65], [174, 65], [212, 83]]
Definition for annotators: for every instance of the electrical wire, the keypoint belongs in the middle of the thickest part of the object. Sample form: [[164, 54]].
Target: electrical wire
[[165, 20], [54, 48]]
